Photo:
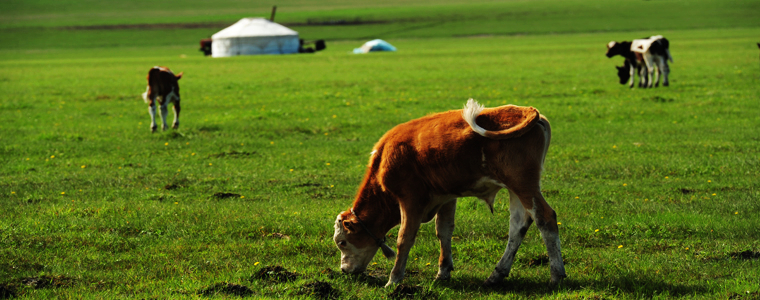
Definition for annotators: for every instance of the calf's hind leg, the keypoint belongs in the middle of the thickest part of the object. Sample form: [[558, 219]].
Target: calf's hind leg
[[519, 222], [164, 112], [176, 109], [546, 221]]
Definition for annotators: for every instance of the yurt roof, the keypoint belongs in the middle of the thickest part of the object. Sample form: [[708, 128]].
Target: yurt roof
[[251, 27]]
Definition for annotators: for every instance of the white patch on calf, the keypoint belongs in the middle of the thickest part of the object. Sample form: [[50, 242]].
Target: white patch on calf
[[485, 189], [611, 44]]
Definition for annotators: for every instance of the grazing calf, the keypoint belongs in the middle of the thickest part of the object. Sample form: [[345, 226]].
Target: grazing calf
[[163, 86], [645, 55], [418, 170]]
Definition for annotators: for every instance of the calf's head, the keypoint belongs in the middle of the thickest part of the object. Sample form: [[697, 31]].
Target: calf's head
[[623, 73], [610, 46], [357, 247], [615, 48]]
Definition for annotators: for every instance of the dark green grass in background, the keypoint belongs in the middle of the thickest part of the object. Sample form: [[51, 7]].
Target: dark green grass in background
[[656, 190]]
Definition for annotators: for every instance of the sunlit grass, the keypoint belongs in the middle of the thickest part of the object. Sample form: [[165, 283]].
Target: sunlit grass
[[656, 190]]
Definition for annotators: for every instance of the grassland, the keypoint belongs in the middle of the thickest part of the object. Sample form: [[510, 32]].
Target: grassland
[[656, 190]]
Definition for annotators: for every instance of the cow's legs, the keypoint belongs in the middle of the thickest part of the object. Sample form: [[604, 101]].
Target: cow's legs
[[164, 112], [657, 63], [152, 111], [642, 70], [176, 109], [519, 222], [407, 233], [650, 69], [444, 229], [665, 71], [631, 74], [546, 221]]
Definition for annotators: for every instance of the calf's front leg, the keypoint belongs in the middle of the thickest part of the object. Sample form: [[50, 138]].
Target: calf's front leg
[[410, 224]]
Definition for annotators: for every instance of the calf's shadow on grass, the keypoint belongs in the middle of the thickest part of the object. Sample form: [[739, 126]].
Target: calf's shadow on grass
[[642, 287]]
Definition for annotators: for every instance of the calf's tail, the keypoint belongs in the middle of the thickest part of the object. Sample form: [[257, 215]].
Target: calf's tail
[[472, 109]]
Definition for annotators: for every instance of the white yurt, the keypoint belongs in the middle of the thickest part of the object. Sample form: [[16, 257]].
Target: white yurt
[[254, 36]]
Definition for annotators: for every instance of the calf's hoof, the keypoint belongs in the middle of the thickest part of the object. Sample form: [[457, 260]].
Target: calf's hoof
[[556, 279], [494, 279], [390, 284], [153, 129]]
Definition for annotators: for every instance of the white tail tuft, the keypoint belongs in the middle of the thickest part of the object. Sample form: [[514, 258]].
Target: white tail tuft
[[471, 111], [145, 95]]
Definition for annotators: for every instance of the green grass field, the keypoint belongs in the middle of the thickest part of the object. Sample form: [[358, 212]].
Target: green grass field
[[656, 190]]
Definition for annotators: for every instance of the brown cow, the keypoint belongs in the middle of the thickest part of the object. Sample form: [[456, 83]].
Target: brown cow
[[418, 170], [163, 86]]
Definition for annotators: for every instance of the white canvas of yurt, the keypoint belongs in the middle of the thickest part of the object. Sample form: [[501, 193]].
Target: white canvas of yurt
[[254, 36]]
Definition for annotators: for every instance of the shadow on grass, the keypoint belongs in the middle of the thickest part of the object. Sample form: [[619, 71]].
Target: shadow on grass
[[641, 287]]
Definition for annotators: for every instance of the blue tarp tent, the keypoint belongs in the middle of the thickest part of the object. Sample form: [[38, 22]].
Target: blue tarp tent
[[374, 45]]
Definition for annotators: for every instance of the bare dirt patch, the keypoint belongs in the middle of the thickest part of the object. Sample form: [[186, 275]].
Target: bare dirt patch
[[686, 191], [47, 281], [540, 260], [7, 291], [746, 295], [749, 254], [278, 235], [232, 153], [274, 273], [225, 195], [403, 291], [226, 289], [319, 290]]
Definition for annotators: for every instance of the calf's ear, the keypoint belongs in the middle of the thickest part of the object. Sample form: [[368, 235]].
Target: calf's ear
[[179, 76]]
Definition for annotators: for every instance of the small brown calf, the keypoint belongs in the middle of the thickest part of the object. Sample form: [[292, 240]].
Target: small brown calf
[[418, 170], [163, 86]]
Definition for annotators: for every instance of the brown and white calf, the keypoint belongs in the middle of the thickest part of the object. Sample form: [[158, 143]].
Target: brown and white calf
[[645, 56], [163, 86], [418, 170]]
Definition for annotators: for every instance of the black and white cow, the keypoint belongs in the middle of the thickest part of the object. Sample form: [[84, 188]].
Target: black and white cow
[[163, 86], [643, 55]]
